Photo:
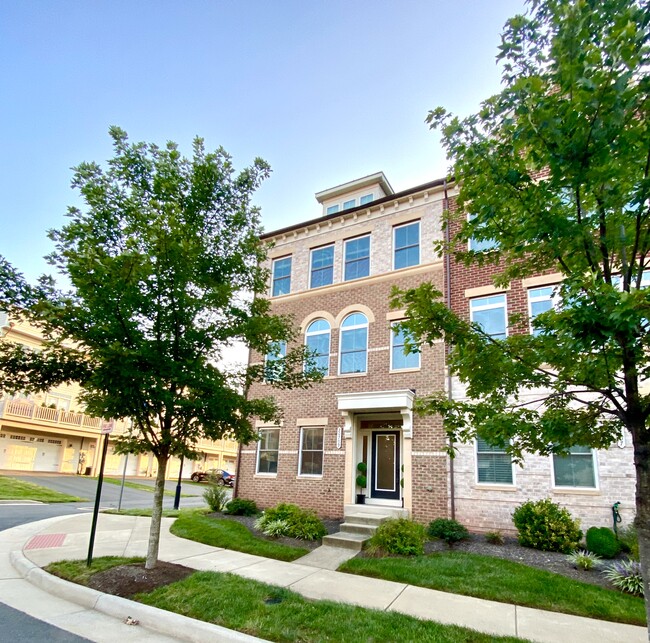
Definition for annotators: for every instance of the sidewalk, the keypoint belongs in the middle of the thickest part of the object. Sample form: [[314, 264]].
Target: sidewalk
[[99, 617]]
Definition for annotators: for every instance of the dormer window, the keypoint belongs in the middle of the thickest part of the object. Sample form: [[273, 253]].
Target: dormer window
[[333, 209], [349, 204], [366, 198]]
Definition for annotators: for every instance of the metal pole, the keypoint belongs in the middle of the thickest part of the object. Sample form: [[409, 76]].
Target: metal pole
[[119, 502], [100, 479], [177, 497]]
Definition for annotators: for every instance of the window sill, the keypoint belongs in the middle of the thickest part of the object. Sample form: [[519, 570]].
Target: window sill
[[413, 369], [577, 491], [341, 375], [265, 475], [486, 486], [306, 476]]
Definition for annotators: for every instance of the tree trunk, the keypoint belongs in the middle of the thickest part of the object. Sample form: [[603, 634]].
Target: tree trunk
[[642, 520], [156, 514]]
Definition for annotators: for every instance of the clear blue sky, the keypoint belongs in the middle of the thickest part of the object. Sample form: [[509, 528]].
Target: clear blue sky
[[325, 90]]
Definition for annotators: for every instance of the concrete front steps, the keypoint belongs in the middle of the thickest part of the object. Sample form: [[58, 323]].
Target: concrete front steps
[[361, 522]]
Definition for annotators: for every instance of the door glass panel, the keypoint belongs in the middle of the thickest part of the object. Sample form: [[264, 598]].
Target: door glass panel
[[385, 466]]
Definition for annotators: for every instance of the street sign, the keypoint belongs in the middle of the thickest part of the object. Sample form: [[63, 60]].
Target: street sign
[[107, 426]]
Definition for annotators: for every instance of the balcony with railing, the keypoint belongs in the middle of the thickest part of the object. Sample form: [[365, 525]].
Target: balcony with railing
[[28, 411]]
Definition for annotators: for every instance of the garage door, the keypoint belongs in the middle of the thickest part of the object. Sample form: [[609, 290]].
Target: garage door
[[20, 457]]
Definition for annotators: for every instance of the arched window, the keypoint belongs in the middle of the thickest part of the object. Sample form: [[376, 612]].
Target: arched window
[[354, 344], [317, 339]]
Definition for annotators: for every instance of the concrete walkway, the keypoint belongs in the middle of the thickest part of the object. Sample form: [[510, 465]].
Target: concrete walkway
[[99, 617]]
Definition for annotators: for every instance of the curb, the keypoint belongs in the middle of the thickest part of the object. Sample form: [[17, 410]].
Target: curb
[[168, 623]]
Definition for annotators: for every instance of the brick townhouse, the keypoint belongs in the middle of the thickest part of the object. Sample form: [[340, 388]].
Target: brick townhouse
[[334, 275], [487, 486]]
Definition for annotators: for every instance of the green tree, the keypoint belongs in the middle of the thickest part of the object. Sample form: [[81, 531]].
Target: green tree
[[165, 269], [555, 172]]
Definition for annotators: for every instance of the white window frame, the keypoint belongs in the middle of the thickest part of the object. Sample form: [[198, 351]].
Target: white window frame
[[485, 245], [311, 264], [366, 198], [594, 464], [273, 277], [345, 253], [259, 452], [332, 209], [392, 348], [481, 307], [282, 353], [554, 299], [4, 318], [492, 484], [61, 400], [327, 332], [350, 328], [349, 204], [419, 244], [302, 449]]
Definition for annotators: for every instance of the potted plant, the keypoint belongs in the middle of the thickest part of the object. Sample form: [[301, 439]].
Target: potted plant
[[362, 482]]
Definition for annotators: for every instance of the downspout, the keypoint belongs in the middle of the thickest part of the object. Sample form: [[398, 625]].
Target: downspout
[[452, 484]]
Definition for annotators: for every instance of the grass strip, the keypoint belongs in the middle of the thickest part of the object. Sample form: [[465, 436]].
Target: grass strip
[[230, 534], [145, 513], [504, 581], [277, 614], [12, 489], [78, 572]]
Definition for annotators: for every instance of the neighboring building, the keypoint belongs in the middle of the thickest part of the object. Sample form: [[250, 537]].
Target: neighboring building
[[487, 485], [49, 432], [334, 275]]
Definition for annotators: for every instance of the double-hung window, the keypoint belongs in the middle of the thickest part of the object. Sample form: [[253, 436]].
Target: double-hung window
[[406, 243], [494, 465], [540, 300], [273, 363], [399, 359], [481, 245], [267, 451], [322, 267], [354, 344], [311, 451], [490, 314], [357, 258], [317, 339], [576, 469], [281, 277]]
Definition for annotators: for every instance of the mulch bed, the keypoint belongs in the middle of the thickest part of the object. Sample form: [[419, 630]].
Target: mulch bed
[[128, 580]]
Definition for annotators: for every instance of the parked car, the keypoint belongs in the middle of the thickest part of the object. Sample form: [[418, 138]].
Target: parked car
[[220, 476]]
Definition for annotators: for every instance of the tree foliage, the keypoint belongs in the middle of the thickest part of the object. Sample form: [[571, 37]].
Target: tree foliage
[[165, 269], [555, 173]]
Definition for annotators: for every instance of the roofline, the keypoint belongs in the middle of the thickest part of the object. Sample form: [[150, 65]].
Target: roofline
[[329, 217], [377, 177]]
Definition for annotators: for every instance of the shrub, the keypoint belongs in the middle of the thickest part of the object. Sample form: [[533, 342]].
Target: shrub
[[216, 497], [241, 507], [602, 541], [448, 530], [494, 538], [274, 527], [626, 576], [297, 522], [399, 536], [584, 559], [547, 526], [629, 541]]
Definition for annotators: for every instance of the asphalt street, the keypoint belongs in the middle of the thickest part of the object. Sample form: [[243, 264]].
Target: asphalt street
[[13, 513], [17, 626]]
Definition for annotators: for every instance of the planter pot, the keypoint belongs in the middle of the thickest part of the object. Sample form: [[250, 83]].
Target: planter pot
[[361, 498]]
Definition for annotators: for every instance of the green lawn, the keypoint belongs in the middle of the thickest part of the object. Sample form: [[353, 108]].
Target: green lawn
[[504, 581], [12, 489], [230, 534], [276, 614]]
